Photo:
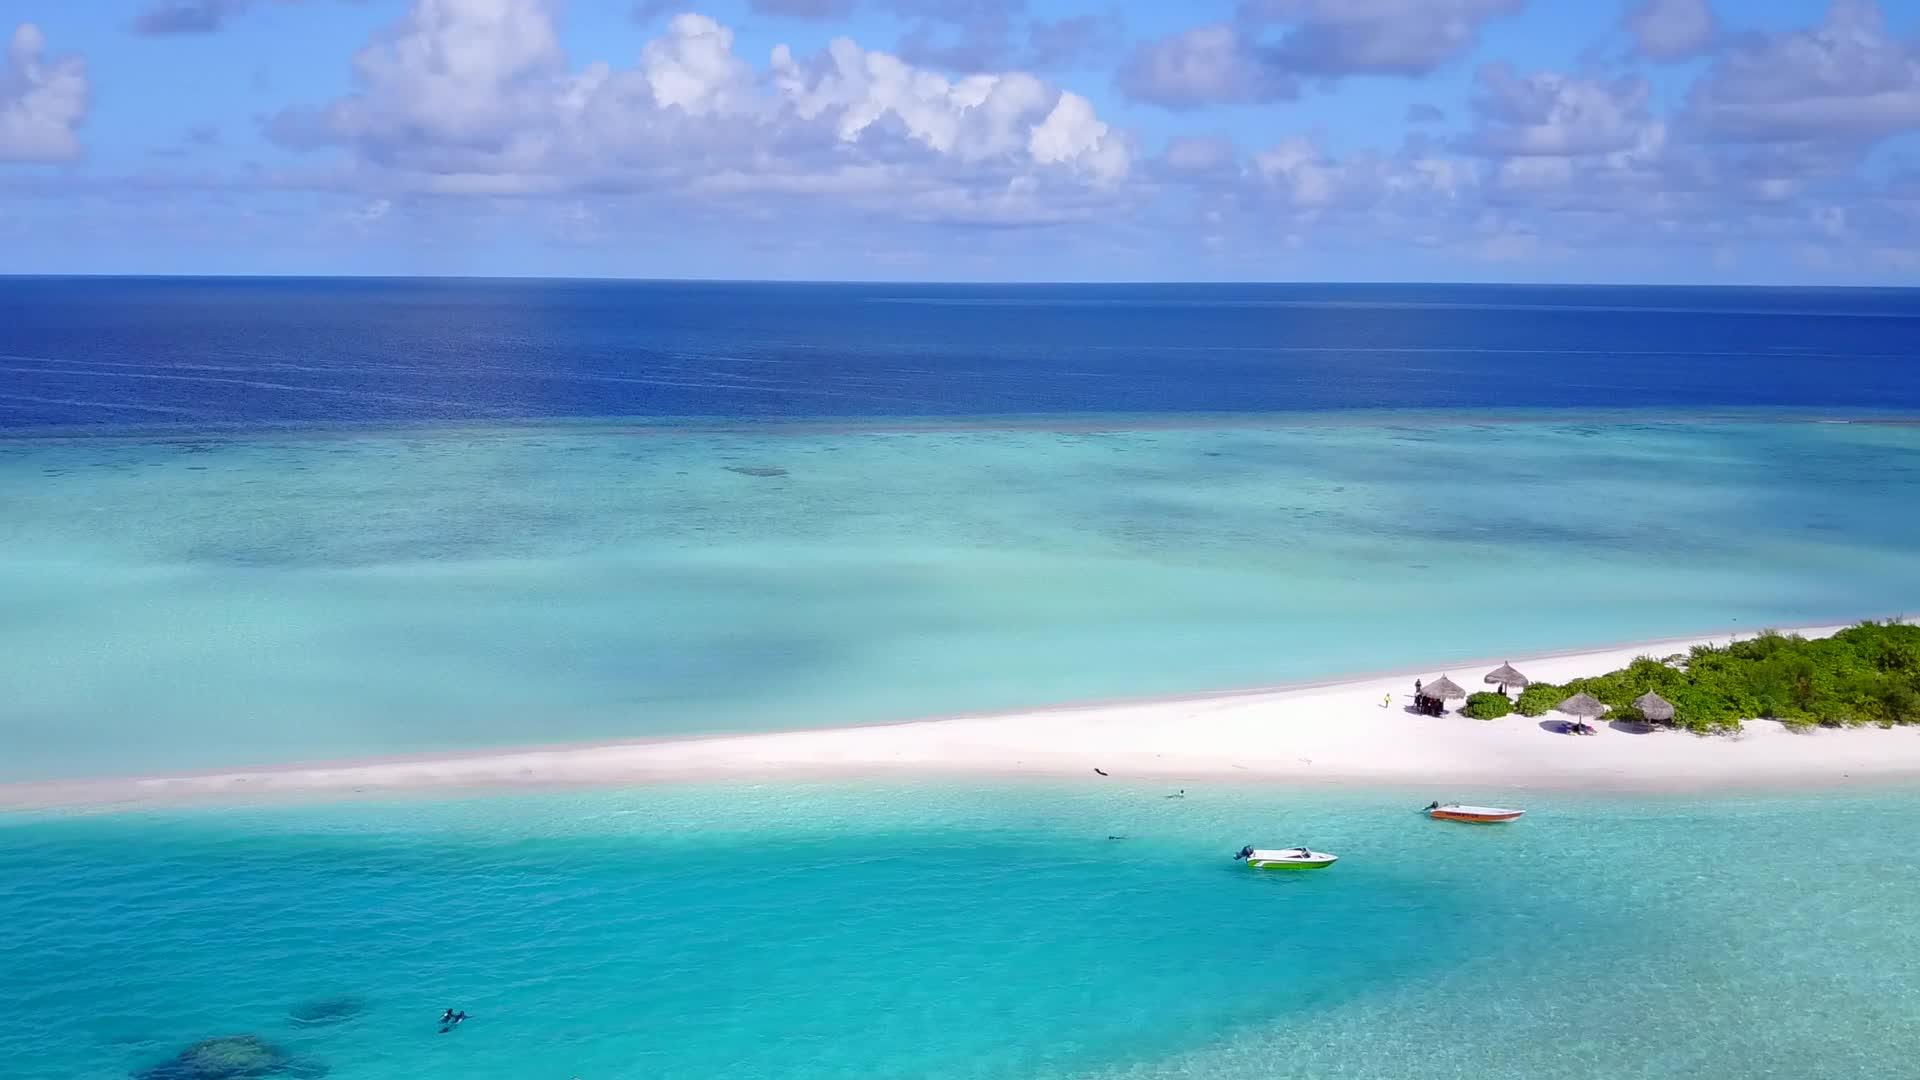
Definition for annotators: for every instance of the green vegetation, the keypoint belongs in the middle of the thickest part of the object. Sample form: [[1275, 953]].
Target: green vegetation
[[1485, 706], [1868, 674], [1539, 699]]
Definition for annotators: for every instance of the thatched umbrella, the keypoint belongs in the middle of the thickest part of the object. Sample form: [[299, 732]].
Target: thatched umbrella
[[1653, 706], [1583, 706], [1443, 688], [1504, 676]]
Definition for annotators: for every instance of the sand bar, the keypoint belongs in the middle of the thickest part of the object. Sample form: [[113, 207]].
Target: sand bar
[[1361, 731]]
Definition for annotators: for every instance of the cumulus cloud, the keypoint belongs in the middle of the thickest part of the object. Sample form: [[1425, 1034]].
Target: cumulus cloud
[[1307, 177], [1546, 113], [959, 124], [1671, 29], [477, 96], [1560, 142], [1207, 65], [1073, 135], [1241, 62], [1296, 187], [476, 75], [693, 68], [42, 102], [1014, 117], [1845, 81]]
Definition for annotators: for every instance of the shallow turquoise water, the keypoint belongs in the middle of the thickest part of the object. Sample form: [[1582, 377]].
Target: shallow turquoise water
[[182, 603], [858, 931]]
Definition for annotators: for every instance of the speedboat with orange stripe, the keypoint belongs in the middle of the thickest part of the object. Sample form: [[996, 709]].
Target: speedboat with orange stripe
[[1479, 815]]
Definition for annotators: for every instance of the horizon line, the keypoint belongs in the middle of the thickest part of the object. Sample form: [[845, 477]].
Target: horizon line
[[967, 282]]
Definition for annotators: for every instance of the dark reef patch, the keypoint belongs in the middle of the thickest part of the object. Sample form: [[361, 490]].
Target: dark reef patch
[[231, 1057]]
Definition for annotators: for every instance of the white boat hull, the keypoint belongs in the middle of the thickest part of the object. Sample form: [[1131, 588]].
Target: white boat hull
[[1291, 859], [1480, 815]]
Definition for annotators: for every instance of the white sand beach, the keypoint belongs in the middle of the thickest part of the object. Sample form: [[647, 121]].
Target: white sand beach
[[1361, 731]]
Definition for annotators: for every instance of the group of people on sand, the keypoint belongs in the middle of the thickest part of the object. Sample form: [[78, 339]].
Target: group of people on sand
[[1424, 705]]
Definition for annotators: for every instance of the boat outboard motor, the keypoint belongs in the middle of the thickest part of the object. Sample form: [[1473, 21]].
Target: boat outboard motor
[[1245, 854]]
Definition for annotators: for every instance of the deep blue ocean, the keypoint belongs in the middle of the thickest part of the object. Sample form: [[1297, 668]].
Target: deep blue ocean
[[366, 351], [258, 521]]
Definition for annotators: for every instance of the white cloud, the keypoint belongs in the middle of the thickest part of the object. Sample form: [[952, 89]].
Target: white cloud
[[1845, 81], [975, 118], [1565, 143], [477, 96], [1308, 178], [456, 88], [1548, 113], [42, 103], [693, 68], [1072, 134]]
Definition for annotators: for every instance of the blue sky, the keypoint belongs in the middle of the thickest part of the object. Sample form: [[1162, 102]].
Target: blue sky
[[1504, 140]]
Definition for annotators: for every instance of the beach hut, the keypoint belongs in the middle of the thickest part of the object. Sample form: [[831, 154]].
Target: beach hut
[[1654, 707], [1582, 707], [1504, 676]]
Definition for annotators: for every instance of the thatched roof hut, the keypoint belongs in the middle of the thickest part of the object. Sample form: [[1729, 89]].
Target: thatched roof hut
[[1443, 688], [1653, 706], [1582, 705], [1504, 676]]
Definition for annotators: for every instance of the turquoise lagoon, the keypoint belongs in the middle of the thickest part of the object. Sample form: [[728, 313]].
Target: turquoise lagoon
[[179, 601], [810, 932]]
